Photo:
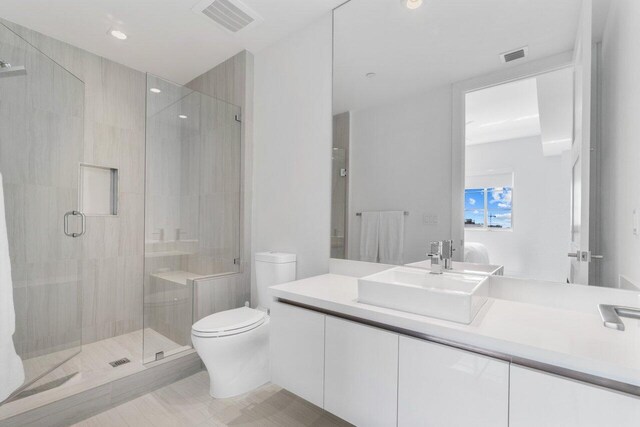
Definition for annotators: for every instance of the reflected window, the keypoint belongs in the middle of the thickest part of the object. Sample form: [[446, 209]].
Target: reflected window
[[488, 208], [474, 203]]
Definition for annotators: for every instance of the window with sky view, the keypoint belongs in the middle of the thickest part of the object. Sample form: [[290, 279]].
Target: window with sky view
[[488, 208]]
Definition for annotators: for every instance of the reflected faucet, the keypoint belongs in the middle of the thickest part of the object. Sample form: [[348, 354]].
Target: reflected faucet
[[441, 255]]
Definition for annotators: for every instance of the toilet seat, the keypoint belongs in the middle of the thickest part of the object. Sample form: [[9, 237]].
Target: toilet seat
[[228, 323]]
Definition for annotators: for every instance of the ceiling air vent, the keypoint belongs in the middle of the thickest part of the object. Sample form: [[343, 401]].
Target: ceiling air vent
[[514, 54], [232, 15]]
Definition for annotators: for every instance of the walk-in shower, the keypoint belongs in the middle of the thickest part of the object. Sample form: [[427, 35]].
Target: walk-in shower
[[89, 293]]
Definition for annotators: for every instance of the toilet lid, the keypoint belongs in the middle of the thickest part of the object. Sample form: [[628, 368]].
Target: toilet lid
[[229, 320]]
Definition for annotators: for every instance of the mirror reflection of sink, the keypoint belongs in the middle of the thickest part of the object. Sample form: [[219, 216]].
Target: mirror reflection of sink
[[464, 268], [455, 297]]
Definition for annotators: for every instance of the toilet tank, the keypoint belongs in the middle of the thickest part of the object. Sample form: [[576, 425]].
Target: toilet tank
[[273, 268]]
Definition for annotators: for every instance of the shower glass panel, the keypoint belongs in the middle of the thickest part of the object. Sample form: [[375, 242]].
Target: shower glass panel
[[192, 207], [338, 203], [41, 146]]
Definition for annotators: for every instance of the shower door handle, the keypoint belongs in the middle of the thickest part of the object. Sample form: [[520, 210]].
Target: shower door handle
[[66, 223]]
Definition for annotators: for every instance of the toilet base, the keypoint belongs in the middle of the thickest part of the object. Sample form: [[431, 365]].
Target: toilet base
[[236, 364]]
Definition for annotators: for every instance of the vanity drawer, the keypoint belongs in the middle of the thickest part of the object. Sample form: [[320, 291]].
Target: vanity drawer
[[445, 386], [361, 373], [541, 399]]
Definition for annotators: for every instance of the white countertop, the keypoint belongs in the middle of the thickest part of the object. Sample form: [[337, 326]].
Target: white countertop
[[551, 333]]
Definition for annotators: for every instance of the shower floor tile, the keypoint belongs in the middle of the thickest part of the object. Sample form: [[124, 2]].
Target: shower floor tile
[[88, 369], [95, 357]]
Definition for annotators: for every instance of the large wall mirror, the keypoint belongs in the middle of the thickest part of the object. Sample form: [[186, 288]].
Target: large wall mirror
[[501, 125]]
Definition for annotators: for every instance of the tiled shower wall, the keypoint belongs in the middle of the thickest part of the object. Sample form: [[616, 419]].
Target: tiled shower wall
[[114, 135], [232, 81]]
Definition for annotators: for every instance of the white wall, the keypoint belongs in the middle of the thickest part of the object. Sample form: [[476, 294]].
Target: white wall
[[292, 151], [620, 147], [400, 159], [538, 243]]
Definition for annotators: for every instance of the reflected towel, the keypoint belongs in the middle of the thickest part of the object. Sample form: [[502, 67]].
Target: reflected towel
[[369, 227], [476, 253], [11, 369], [391, 237]]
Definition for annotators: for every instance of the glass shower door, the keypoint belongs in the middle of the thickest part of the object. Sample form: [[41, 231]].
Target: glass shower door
[[41, 146], [192, 207]]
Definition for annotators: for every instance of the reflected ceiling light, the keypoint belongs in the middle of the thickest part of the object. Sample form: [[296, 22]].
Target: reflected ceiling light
[[412, 4], [370, 75], [182, 116], [118, 34], [155, 90]]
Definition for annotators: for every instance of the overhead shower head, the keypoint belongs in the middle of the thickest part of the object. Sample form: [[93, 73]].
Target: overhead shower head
[[8, 70]]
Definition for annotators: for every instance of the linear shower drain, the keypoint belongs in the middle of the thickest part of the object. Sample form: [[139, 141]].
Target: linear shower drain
[[119, 362]]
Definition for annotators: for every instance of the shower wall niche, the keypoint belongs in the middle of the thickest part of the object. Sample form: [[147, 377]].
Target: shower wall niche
[[192, 206]]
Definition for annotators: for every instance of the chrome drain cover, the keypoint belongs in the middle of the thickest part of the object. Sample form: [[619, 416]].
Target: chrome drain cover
[[119, 362]]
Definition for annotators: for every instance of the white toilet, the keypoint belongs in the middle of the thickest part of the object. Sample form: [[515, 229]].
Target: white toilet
[[234, 344]]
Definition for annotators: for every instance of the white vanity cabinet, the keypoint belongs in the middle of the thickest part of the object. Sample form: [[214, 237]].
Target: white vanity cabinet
[[541, 399], [361, 373], [372, 377], [297, 351], [444, 386]]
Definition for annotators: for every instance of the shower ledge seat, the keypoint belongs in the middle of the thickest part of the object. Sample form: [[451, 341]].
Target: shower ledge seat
[[178, 277]]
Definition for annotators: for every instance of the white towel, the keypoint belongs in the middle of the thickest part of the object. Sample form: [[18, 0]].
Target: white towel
[[476, 253], [391, 237], [11, 369], [369, 226]]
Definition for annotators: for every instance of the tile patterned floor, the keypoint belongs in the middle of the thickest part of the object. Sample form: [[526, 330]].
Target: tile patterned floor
[[187, 403], [94, 358]]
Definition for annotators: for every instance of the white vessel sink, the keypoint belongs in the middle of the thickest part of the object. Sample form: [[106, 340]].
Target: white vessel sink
[[464, 268], [456, 297]]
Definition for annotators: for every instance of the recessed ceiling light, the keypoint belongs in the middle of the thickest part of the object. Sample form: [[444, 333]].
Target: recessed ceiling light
[[182, 116], [412, 4], [370, 75], [155, 90], [118, 34]]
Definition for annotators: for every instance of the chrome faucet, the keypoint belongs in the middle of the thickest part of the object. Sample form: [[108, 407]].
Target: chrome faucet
[[611, 315], [441, 256]]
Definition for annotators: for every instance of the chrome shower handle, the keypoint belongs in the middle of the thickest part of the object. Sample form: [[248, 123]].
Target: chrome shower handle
[[66, 223]]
